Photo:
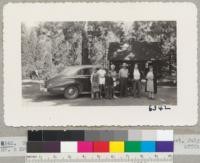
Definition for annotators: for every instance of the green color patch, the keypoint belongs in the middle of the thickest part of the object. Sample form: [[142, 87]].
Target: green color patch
[[132, 146]]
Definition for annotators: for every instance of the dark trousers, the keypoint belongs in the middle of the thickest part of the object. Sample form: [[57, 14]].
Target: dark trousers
[[109, 92], [123, 87], [136, 88], [102, 90]]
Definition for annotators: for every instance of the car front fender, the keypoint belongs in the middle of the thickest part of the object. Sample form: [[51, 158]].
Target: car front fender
[[70, 83]]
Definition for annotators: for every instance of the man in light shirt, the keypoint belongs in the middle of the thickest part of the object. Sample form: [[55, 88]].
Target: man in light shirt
[[136, 81], [123, 78], [101, 72]]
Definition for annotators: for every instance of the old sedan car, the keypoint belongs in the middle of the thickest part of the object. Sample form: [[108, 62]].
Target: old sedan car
[[71, 82]]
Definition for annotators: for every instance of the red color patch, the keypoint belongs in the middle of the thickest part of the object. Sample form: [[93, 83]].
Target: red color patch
[[101, 146]]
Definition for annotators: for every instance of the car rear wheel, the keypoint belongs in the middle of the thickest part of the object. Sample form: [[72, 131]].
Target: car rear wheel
[[71, 92]]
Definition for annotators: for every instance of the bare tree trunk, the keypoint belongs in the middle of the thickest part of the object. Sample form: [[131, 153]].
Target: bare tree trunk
[[85, 51]]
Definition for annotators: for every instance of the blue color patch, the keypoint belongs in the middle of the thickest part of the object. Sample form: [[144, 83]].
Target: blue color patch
[[148, 146]]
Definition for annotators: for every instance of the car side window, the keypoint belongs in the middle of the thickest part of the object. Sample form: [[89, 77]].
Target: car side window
[[80, 72], [86, 71], [91, 71]]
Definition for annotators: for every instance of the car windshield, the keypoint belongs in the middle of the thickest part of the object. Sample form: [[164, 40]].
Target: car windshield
[[76, 70], [69, 71]]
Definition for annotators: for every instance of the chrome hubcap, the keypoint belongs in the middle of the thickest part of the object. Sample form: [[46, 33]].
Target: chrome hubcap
[[71, 91]]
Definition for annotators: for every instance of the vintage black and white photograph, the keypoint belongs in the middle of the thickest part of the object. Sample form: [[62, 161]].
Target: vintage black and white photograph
[[99, 63], [94, 64]]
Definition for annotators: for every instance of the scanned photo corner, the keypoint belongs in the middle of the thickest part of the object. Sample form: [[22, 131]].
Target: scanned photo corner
[[95, 67]]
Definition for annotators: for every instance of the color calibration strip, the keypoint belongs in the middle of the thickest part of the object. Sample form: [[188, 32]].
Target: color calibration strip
[[110, 147], [73, 141], [100, 135]]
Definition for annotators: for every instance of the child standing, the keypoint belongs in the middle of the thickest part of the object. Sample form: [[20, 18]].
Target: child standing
[[95, 85], [101, 72], [150, 83], [114, 76]]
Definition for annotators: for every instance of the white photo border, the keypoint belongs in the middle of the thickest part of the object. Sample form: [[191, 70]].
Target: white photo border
[[184, 113]]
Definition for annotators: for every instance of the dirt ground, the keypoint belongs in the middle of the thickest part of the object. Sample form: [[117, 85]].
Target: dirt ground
[[33, 97]]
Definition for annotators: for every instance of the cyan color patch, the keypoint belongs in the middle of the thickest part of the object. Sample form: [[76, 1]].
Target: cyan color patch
[[148, 146]]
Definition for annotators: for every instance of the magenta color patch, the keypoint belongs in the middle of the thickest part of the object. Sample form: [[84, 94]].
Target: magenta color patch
[[85, 146]]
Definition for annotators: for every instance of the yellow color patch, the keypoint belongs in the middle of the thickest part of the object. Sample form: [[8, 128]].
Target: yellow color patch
[[116, 146]]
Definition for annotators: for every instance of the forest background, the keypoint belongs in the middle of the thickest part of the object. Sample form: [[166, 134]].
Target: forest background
[[49, 47]]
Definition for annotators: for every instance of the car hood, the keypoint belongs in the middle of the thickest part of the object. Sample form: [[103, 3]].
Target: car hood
[[58, 80]]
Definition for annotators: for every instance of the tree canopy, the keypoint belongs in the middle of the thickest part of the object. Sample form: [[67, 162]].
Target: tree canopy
[[50, 46]]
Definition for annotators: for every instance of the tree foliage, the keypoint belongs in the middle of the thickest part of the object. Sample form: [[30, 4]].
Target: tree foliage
[[158, 31], [51, 46]]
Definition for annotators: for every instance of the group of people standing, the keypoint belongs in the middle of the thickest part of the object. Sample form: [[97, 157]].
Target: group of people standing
[[104, 82]]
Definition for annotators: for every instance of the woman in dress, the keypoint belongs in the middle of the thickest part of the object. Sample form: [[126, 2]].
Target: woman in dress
[[150, 82]]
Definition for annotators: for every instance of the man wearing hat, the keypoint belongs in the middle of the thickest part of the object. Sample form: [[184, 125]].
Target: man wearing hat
[[123, 78]]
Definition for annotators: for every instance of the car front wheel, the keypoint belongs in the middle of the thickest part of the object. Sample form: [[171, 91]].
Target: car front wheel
[[71, 92]]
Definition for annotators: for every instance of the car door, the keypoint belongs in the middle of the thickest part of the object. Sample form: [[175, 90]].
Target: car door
[[84, 79]]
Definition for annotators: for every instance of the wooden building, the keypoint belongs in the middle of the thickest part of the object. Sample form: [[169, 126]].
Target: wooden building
[[142, 53]]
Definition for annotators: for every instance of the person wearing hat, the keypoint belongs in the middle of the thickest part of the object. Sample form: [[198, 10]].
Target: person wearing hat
[[123, 78]]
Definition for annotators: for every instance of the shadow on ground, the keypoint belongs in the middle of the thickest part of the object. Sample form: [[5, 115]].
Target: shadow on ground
[[32, 96]]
